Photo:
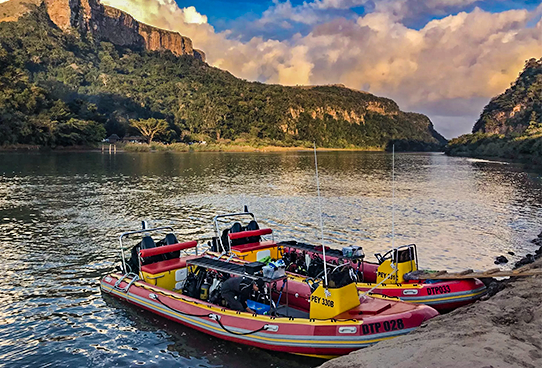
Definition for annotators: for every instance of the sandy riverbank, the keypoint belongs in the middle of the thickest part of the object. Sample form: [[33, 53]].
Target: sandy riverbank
[[502, 331]]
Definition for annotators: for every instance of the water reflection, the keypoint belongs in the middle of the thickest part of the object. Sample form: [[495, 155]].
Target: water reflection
[[60, 214]]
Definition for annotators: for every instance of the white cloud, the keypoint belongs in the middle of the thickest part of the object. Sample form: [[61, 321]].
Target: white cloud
[[439, 69], [162, 12]]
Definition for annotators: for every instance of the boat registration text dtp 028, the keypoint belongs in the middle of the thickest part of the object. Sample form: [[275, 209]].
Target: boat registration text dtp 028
[[386, 326]]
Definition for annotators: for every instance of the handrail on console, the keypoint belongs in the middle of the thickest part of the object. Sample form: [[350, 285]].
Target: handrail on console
[[248, 234], [144, 253]]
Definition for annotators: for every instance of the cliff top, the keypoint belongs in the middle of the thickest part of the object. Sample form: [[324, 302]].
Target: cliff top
[[105, 22], [519, 108]]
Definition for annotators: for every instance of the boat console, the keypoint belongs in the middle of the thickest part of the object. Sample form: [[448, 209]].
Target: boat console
[[236, 269], [245, 241], [317, 249]]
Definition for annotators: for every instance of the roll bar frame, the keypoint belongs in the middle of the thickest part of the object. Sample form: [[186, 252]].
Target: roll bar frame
[[217, 227], [126, 234]]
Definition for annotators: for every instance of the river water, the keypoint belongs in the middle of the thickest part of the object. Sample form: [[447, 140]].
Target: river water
[[60, 215]]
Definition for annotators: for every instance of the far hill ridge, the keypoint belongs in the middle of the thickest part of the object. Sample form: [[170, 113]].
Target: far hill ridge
[[74, 71]]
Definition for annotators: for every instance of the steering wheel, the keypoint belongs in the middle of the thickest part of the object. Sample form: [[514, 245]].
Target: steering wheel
[[381, 258]]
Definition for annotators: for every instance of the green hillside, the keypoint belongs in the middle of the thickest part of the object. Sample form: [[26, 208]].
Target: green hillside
[[62, 89], [510, 126]]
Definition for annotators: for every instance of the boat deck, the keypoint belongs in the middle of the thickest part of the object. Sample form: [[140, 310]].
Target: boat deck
[[285, 311], [229, 267], [316, 249]]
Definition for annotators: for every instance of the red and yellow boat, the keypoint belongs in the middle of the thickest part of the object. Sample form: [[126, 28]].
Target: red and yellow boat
[[394, 275], [336, 320]]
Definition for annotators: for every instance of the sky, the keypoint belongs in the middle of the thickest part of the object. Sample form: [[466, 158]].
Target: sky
[[442, 58]]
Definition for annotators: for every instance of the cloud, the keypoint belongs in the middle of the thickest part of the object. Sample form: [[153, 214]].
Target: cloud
[[160, 13], [448, 68]]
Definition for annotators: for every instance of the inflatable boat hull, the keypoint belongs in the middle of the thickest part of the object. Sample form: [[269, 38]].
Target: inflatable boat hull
[[326, 338]]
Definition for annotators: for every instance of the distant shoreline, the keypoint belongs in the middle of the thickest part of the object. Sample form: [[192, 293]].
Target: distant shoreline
[[174, 148]]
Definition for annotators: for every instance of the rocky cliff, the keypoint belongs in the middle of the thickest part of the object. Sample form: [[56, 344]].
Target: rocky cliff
[[103, 23], [518, 110], [510, 126]]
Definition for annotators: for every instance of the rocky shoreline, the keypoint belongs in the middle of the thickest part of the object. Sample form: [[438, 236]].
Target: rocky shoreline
[[504, 329]]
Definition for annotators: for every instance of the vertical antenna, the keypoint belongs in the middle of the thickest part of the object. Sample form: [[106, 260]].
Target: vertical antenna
[[393, 197], [321, 219]]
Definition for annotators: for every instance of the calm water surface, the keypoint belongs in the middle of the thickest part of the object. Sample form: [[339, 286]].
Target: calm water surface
[[60, 215]]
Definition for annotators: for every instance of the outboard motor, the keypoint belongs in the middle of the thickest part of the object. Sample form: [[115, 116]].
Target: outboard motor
[[145, 243]]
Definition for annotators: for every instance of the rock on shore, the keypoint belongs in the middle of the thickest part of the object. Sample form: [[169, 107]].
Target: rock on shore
[[503, 331]]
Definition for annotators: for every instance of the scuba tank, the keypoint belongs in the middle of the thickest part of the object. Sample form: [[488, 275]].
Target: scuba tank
[[204, 291], [214, 285]]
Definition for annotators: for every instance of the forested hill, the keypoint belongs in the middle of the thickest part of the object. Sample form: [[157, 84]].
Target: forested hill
[[510, 126], [69, 88], [519, 108]]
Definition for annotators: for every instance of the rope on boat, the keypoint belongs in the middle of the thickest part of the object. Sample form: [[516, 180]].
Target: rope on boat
[[177, 311], [212, 316], [264, 327]]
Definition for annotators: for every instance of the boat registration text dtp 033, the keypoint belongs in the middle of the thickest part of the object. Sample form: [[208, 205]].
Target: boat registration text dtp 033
[[444, 289]]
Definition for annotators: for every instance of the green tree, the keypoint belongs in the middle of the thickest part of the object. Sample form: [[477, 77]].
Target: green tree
[[150, 127]]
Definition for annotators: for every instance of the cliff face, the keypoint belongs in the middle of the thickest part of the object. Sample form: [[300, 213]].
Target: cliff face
[[104, 23], [519, 109]]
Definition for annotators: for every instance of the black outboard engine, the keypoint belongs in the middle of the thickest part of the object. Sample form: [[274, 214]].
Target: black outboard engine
[[146, 243]]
